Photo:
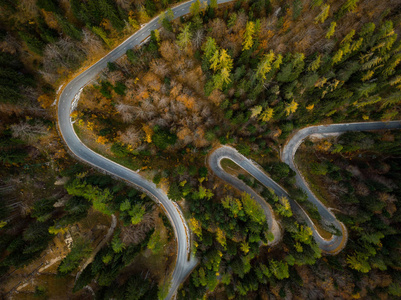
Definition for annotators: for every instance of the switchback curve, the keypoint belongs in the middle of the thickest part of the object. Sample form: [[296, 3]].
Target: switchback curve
[[290, 148], [329, 246]]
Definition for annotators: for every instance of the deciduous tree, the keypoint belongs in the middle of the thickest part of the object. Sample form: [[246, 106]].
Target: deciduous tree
[[184, 38], [267, 114], [265, 65], [331, 30], [248, 36], [324, 14], [291, 107]]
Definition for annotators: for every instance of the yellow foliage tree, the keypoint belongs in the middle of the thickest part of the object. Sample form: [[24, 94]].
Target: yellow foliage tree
[[143, 15], [395, 80], [101, 140], [245, 247], [338, 56], [132, 20], [157, 35], [221, 237], [214, 60], [221, 61], [331, 30], [348, 37], [248, 35], [183, 133], [356, 44], [45, 100], [225, 60], [267, 114], [197, 7], [184, 38], [54, 230], [277, 63], [225, 76], [265, 65], [291, 107], [148, 131], [284, 207], [324, 14], [369, 75], [50, 19], [100, 32], [315, 64], [196, 227]]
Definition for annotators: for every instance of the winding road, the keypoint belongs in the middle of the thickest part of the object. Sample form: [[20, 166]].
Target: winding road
[[329, 246], [227, 152], [185, 263]]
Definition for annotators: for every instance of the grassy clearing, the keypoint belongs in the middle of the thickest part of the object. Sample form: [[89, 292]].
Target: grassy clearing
[[232, 168], [323, 232], [89, 138], [303, 158]]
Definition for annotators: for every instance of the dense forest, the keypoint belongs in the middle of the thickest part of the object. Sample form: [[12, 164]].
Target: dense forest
[[247, 73], [359, 173], [221, 77], [42, 44]]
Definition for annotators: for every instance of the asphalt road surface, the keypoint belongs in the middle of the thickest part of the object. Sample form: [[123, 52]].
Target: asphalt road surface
[[330, 246]]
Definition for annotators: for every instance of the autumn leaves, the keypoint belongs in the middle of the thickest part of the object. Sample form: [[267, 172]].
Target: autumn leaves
[[220, 62]]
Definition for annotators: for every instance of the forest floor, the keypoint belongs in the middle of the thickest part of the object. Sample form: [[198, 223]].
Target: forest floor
[[21, 283], [89, 139], [302, 159], [25, 279], [232, 168]]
